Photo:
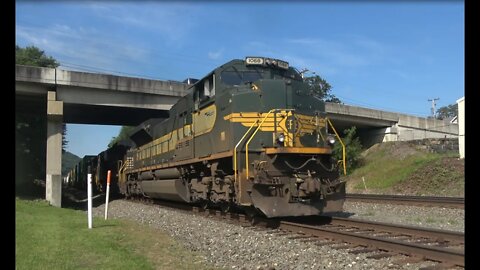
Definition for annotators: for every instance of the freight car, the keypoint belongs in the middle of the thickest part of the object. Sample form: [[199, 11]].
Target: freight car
[[250, 134], [77, 177], [109, 160], [99, 165]]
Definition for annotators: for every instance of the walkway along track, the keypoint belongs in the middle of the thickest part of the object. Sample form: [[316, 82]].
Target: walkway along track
[[447, 202], [444, 247]]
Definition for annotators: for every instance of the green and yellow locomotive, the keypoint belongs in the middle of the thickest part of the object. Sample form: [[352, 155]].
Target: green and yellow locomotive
[[249, 134]]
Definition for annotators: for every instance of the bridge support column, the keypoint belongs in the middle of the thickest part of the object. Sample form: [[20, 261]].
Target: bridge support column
[[54, 150], [371, 136], [391, 134]]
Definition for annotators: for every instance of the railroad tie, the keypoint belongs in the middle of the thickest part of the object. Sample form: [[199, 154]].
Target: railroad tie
[[363, 250], [309, 240], [300, 237], [346, 246], [401, 237], [440, 266], [409, 259], [381, 255], [325, 243]]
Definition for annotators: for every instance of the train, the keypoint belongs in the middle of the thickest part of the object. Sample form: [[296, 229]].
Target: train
[[77, 177], [100, 164], [249, 135]]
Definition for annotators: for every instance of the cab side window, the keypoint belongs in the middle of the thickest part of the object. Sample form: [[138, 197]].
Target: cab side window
[[208, 87], [204, 90]]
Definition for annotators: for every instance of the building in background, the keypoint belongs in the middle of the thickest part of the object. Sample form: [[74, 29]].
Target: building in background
[[461, 126]]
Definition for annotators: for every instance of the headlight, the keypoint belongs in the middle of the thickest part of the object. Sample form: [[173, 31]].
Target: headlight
[[330, 139], [269, 61], [282, 64], [281, 138]]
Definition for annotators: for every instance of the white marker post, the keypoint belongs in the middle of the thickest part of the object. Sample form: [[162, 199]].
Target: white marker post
[[363, 179], [108, 193], [89, 192]]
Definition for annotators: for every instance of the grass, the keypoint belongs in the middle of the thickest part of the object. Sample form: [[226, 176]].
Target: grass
[[47, 237], [385, 172], [406, 168], [452, 221], [369, 213], [417, 219], [430, 220]]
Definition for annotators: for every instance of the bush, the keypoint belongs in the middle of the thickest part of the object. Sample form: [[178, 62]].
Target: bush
[[353, 149]]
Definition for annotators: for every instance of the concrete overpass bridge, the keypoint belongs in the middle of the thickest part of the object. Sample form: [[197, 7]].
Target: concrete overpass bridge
[[376, 126], [88, 98], [63, 96]]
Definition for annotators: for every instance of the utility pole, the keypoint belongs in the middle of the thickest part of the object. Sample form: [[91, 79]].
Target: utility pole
[[433, 100]]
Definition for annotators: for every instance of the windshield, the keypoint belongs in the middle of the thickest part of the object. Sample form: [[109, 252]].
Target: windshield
[[233, 77]]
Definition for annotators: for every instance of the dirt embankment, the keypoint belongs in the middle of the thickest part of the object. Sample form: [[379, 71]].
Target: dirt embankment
[[442, 177], [408, 168]]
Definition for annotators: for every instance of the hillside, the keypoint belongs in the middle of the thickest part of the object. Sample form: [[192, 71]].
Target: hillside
[[69, 161], [408, 168]]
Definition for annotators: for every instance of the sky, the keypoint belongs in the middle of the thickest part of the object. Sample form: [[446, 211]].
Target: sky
[[391, 56]]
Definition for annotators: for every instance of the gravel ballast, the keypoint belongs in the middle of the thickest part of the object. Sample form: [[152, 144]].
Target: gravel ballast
[[231, 246], [430, 217]]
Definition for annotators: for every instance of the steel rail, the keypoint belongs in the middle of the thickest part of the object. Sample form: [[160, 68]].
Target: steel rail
[[452, 236], [450, 202], [448, 256]]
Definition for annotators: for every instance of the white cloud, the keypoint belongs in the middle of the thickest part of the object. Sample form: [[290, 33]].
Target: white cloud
[[215, 55], [335, 52], [255, 44], [400, 74], [301, 62], [172, 21], [366, 43], [259, 48], [346, 53], [83, 46], [298, 55]]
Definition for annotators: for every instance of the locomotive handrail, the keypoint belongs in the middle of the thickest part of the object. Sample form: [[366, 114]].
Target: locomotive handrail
[[343, 147], [253, 135], [235, 150], [121, 169]]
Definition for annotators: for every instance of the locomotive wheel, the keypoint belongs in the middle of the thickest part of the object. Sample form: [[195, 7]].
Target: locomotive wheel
[[205, 205], [225, 207], [250, 212]]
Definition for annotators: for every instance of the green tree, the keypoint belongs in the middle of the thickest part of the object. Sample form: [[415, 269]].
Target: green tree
[[64, 137], [447, 111], [353, 149], [33, 56], [31, 128], [321, 88], [123, 134]]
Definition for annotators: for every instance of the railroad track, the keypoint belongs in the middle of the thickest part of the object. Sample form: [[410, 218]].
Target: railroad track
[[445, 247], [379, 240], [448, 202]]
